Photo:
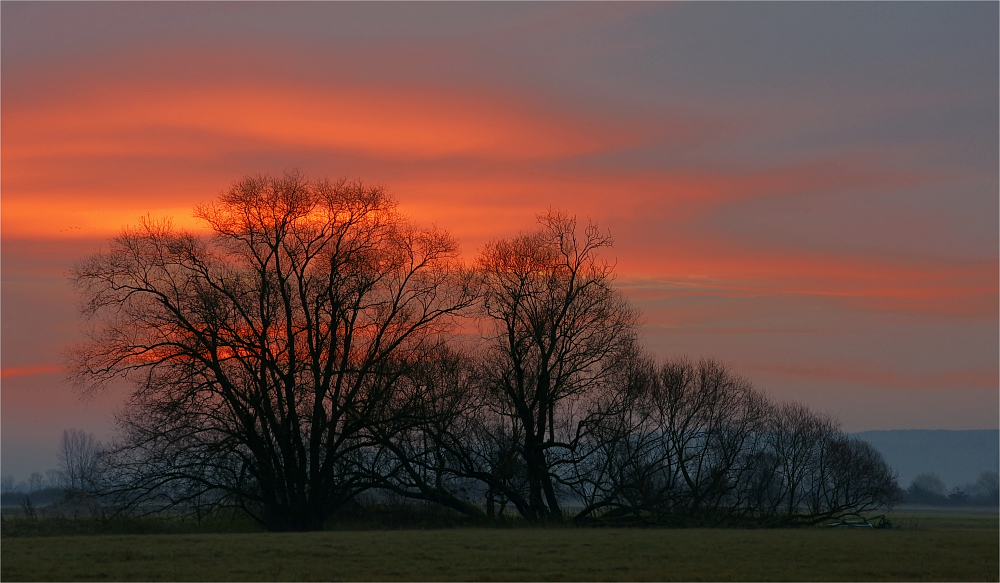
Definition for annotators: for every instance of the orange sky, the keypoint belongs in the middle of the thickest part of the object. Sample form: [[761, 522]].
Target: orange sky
[[821, 214]]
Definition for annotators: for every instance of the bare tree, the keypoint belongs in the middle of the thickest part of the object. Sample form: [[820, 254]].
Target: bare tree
[[36, 481], [308, 351], [851, 478], [797, 437], [53, 478], [263, 357], [79, 458], [679, 444], [927, 488], [714, 423], [622, 463], [556, 329], [695, 444], [433, 456], [987, 487]]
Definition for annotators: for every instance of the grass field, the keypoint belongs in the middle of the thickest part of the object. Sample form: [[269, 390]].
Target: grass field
[[922, 547]]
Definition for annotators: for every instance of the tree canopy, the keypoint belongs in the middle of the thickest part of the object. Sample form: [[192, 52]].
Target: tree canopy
[[318, 346]]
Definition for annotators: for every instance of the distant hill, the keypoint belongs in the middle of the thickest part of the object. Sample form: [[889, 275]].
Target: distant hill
[[957, 457]]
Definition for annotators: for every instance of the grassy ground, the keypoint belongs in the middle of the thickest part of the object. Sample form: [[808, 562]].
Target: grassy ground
[[922, 520], [922, 547]]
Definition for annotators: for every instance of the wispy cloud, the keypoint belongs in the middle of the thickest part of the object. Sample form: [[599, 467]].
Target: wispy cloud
[[24, 371], [859, 374]]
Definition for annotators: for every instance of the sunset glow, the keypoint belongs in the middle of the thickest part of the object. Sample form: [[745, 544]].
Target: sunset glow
[[814, 202]]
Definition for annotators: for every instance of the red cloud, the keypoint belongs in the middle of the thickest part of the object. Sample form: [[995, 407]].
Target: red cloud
[[23, 371]]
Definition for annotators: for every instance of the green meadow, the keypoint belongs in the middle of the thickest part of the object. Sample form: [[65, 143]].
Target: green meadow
[[922, 547]]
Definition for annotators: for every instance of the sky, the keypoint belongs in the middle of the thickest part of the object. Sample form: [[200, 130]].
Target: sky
[[807, 192]]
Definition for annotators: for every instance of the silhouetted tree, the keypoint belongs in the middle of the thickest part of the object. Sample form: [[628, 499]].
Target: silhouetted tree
[[79, 461], [429, 458], [849, 477], [308, 351], [987, 488], [797, 437], [556, 330], [679, 444], [693, 443], [958, 495], [927, 488], [53, 477], [36, 481], [624, 462], [502, 420], [262, 357]]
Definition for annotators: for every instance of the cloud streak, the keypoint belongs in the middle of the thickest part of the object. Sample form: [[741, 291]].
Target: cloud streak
[[25, 371]]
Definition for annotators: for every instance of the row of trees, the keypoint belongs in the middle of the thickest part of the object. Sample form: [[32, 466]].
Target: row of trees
[[678, 443], [929, 488], [80, 465], [319, 346]]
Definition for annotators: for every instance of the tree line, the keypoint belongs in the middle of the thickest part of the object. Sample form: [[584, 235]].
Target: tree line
[[930, 489], [79, 458], [77, 478], [318, 347]]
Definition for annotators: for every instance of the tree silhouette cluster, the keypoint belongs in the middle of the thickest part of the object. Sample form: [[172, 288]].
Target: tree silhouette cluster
[[929, 489], [318, 346]]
